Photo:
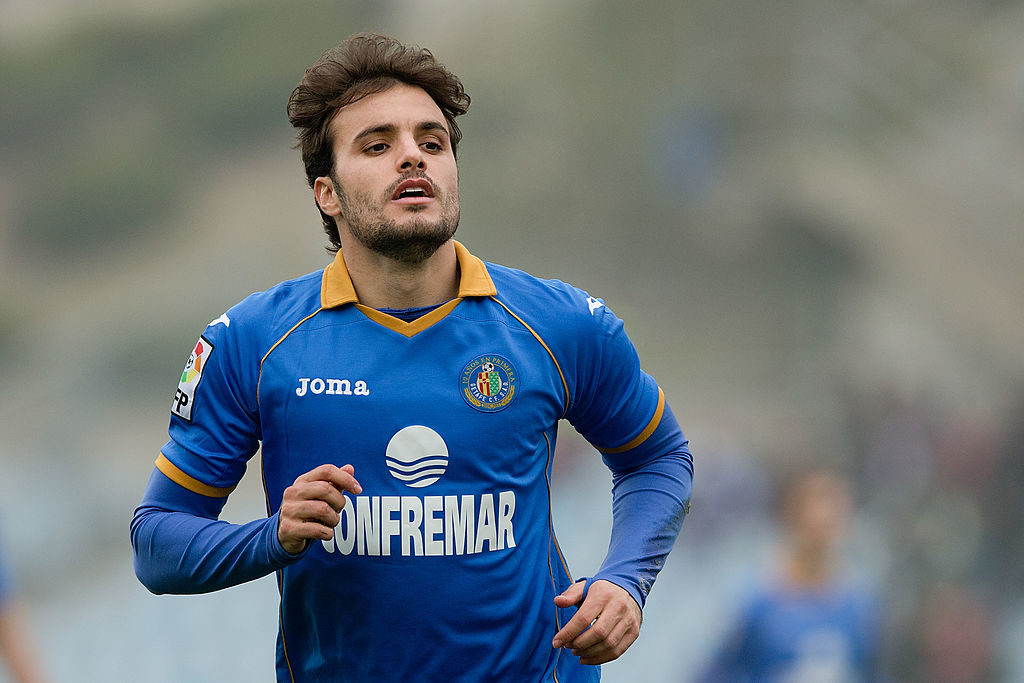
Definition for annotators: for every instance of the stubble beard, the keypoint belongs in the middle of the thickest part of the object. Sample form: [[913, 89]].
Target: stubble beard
[[412, 242]]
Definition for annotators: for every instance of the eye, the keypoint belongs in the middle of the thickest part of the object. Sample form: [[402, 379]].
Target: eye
[[378, 148], [433, 146]]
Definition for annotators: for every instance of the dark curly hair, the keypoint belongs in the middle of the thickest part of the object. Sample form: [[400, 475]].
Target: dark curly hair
[[364, 64]]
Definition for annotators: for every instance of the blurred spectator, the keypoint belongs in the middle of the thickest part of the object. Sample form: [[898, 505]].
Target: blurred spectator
[[956, 630], [15, 650], [808, 622], [1004, 506]]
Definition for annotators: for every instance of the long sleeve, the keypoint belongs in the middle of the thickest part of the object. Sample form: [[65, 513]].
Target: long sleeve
[[649, 503], [624, 414], [181, 547]]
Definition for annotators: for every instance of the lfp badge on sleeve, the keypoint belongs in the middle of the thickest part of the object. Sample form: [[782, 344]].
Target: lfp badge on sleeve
[[190, 377], [489, 383]]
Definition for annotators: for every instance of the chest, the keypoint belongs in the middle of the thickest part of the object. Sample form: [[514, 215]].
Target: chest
[[802, 632], [464, 402]]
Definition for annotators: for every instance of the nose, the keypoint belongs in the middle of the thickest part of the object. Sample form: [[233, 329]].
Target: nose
[[411, 156]]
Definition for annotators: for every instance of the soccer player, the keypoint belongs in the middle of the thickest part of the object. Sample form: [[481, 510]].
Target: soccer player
[[808, 623], [406, 398]]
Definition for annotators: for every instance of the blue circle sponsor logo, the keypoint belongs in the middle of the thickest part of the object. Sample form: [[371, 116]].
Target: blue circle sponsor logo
[[489, 383]]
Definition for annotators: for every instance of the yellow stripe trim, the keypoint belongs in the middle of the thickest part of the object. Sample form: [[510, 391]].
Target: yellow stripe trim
[[553, 539], [558, 367], [336, 288], [276, 344], [408, 329], [172, 472], [551, 524], [648, 430], [474, 279]]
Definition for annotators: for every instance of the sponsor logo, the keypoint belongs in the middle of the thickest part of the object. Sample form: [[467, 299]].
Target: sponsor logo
[[222, 320], [331, 387], [489, 383], [594, 304], [417, 456], [429, 525], [190, 378], [411, 526]]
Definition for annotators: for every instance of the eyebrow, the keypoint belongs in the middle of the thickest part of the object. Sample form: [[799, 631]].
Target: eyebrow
[[391, 129]]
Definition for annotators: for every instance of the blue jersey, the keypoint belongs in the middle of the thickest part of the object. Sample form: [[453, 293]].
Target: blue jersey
[[445, 567], [790, 634]]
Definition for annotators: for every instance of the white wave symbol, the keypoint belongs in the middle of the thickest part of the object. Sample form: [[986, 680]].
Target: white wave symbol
[[416, 456], [420, 473], [440, 461]]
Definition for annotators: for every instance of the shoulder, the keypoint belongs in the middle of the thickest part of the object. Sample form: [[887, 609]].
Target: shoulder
[[265, 316], [240, 337], [513, 283], [549, 303]]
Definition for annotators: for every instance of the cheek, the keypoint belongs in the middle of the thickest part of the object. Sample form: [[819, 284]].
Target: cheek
[[446, 172], [451, 185]]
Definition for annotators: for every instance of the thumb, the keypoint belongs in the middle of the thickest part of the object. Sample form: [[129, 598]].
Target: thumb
[[571, 595]]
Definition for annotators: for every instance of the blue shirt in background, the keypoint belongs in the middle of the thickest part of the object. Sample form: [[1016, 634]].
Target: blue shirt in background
[[794, 635]]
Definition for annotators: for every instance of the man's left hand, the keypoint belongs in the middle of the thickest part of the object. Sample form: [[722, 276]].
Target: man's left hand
[[612, 615]]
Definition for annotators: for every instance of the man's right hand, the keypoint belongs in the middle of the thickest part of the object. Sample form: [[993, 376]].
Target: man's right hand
[[310, 506]]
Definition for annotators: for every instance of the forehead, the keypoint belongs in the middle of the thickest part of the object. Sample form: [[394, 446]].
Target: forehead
[[400, 106]]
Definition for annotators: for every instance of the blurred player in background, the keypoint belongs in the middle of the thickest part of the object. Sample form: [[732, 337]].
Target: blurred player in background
[[16, 651], [406, 399], [808, 623]]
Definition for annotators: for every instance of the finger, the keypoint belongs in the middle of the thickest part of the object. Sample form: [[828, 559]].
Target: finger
[[599, 629], [607, 624], [313, 531], [315, 490], [343, 478], [571, 595], [318, 511], [320, 473], [580, 621], [299, 533], [611, 646], [611, 611], [300, 521]]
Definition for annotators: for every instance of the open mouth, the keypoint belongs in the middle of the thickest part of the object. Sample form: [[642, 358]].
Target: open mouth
[[413, 190]]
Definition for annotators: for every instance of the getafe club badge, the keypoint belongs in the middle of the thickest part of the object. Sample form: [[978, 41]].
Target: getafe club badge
[[489, 383], [190, 376]]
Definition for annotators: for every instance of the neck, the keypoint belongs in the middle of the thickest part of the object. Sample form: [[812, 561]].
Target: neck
[[808, 567], [381, 282]]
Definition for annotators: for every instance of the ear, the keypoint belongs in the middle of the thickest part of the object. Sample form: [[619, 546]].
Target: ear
[[326, 196]]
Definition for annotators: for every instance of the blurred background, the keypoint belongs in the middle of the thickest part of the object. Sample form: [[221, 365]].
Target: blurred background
[[807, 211]]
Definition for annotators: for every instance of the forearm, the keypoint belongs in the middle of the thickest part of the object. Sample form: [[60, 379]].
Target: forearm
[[176, 552], [649, 504], [180, 546], [15, 650]]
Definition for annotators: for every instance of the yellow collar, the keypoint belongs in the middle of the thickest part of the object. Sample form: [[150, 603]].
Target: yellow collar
[[336, 286]]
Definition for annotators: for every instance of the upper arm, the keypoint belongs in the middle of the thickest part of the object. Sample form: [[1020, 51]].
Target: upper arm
[[214, 423], [614, 404], [164, 494]]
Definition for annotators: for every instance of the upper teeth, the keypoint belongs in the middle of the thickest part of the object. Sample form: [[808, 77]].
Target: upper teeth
[[412, 190]]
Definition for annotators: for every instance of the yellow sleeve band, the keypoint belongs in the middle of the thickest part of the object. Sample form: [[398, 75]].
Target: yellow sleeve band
[[648, 430], [171, 471]]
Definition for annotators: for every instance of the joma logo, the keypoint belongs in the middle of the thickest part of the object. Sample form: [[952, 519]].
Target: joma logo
[[336, 387]]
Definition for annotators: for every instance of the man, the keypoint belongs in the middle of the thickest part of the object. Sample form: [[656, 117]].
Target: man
[[808, 622], [406, 398]]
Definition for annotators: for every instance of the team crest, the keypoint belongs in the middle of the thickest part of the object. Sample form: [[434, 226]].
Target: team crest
[[489, 383]]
